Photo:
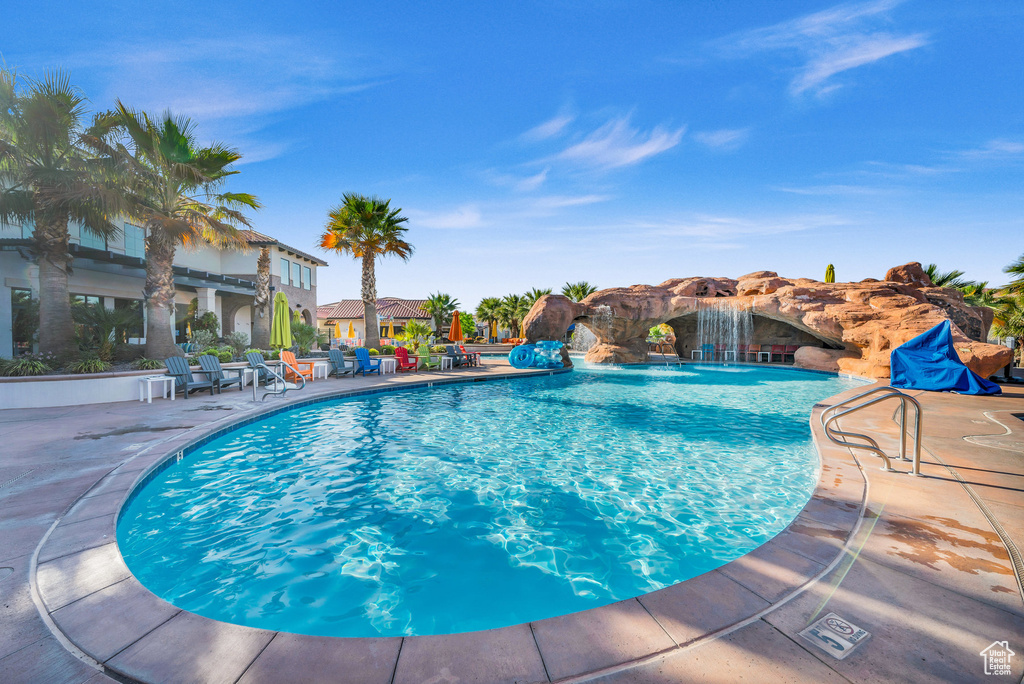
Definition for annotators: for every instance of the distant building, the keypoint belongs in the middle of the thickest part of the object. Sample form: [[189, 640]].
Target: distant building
[[392, 310], [113, 273]]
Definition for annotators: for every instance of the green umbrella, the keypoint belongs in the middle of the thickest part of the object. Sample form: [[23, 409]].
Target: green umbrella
[[280, 328], [298, 316]]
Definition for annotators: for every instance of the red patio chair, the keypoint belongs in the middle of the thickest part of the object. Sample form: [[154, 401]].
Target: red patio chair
[[778, 350], [790, 352], [402, 362]]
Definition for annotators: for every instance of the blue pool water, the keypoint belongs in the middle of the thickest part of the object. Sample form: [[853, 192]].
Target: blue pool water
[[478, 505]]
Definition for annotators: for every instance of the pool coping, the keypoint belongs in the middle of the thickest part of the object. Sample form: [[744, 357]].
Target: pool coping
[[91, 601]]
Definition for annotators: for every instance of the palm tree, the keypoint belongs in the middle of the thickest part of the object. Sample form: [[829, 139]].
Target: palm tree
[[48, 177], [979, 294], [489, 309], [261, 304], [1016, 269], [534, 294], [440, 307], [952, 279], [512, 311], [173, 185], [577, 292], [1009, 319], [366, 228]]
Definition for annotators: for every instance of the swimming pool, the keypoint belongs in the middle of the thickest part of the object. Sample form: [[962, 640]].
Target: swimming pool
[[479, 505]]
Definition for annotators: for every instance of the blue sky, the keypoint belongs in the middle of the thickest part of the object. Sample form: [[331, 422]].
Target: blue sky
[[535, 143]]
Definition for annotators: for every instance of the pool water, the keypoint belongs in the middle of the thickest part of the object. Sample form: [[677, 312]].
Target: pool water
[[481, 505]]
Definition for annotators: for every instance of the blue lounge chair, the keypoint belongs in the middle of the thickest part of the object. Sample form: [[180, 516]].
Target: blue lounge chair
[[364, 363], [214, 371], [339, 365], [178, 368]]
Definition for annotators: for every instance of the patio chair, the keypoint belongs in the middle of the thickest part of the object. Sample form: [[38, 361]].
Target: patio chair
[[474, 357], [790, 351], [257, 362], [425, 359], [364, 364], [402, 362], [303, 368], [778, 350], [214, 371], [458, 360], [183, 380], [339, 364], [751, 353]]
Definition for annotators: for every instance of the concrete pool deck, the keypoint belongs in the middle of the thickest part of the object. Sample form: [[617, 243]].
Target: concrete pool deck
[[921, 563]]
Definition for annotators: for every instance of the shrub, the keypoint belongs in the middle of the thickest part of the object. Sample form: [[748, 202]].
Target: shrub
[[273, 354], [125, 353], [226, 356], [387, 349], [147, 364], [350, 352], [237, 341], [438, 349], [24, 366], [89, 364], [373, 352], [202, 339], [207, 322]]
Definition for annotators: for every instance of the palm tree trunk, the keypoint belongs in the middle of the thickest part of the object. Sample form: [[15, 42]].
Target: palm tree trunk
[[159, 293], [369, 295], [261, 324], [56, 327]]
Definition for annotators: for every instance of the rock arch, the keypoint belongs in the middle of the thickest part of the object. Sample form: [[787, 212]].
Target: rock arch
[[858, 324]]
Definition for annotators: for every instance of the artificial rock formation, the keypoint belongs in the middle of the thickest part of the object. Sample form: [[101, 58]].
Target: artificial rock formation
[[848, 327]]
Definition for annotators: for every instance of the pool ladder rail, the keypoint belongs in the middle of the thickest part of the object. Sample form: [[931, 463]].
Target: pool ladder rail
[[280, 385], [833, 413]]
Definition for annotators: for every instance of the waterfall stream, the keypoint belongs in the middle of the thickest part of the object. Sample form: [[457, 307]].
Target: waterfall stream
[[725, 327]]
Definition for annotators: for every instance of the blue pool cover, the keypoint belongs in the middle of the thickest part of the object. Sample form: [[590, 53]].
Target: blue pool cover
[[929, 362]]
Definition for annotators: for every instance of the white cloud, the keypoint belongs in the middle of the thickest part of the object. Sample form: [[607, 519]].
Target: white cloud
[[724, 227], [532, 182], [549, 129], [838, 189], [995, 148], [230, 86], [829, 42], [550, 203], [465, 216], [723, 139], [617, 144]]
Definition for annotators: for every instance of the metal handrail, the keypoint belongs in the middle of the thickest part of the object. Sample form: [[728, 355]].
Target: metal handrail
[[872, 445], [278, 378]]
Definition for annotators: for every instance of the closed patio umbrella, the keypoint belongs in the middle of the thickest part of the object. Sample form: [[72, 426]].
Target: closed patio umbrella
[[298, 316], [351, 330], [337, 330], [494, 329], [455, 334], [280, 327], [391, 329]]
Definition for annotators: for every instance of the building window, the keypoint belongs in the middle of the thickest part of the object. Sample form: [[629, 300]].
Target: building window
[[91, 239], [307, 277], [136, 328], [87, 300], [134, 241], [24, 320], [286, 270], [296, 270]]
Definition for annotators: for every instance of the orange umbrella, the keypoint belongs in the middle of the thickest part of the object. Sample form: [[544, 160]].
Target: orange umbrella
[[455, 334]]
